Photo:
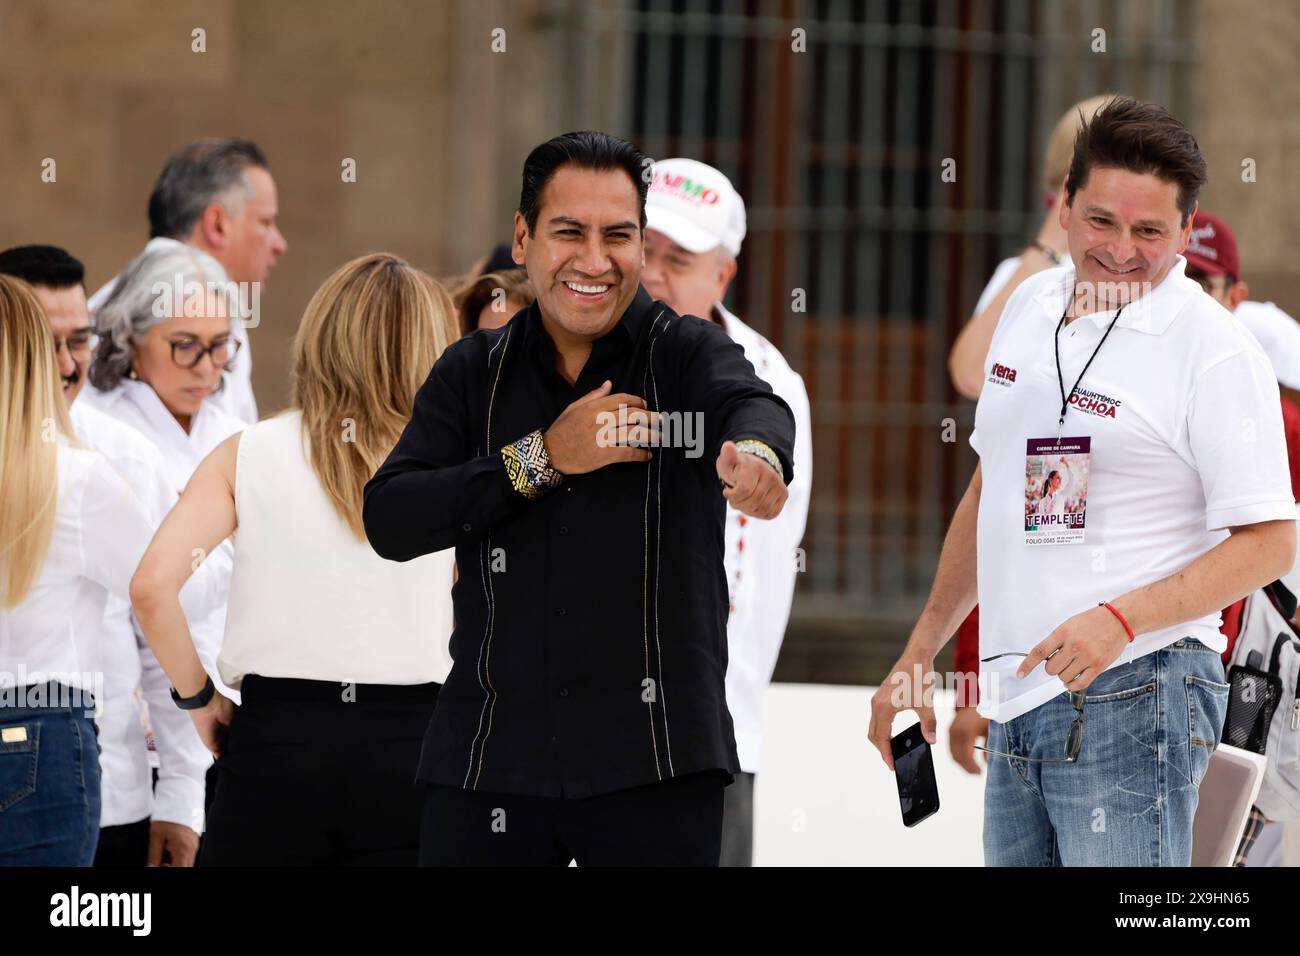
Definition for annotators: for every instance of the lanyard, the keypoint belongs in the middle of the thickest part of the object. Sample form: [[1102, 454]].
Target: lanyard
[[1065, 399]]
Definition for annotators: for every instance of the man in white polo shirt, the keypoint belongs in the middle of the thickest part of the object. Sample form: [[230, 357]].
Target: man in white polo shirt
[[1099, 640], [695, 223]]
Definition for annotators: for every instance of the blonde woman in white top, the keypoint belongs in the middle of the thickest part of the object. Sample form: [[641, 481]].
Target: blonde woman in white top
[[334, 649], [71, 533]]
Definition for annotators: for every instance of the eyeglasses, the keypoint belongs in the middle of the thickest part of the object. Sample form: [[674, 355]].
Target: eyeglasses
[[78, 343], [1073, 737], [187, 353]]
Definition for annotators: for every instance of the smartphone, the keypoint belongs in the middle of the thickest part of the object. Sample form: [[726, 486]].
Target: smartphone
[[918, 793]]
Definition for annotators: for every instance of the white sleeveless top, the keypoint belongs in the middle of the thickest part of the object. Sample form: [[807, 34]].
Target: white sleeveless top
[[311, 600]]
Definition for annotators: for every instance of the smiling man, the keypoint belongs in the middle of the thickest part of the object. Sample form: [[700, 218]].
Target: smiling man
[[1099, 640], [585, 715]]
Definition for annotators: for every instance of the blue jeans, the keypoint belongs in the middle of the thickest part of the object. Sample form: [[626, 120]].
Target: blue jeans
[[49, 786], [1149, 728]]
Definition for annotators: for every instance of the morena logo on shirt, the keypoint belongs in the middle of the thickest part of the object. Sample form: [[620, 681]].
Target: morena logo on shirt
[[1095, 403], [1002, 375]]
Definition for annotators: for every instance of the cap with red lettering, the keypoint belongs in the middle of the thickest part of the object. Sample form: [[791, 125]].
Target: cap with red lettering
[[695, 206], [1213, 247]]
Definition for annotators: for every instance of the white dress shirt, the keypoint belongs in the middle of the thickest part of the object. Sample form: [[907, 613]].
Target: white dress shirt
[[128, 793], [100, 533], [760, 558], [136, 404], [237, 397]]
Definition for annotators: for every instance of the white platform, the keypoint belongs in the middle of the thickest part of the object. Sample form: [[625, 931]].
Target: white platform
[[825, 798]]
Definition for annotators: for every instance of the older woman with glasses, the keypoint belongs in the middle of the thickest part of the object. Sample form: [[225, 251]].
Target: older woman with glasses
[[165, 335]]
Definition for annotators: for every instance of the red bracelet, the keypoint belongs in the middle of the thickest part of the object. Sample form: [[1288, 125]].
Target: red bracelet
[[1110, 607]]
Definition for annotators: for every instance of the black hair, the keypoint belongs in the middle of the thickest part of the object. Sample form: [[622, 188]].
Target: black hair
[[195, 176], [587, 150], [1142, 138], [1203, 278], [49, 266]]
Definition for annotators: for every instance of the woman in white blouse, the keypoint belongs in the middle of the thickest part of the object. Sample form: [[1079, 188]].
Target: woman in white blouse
[[71, 533], [165, 334], [338, 653]]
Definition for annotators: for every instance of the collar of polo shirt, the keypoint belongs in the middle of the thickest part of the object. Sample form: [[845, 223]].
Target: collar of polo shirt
[[1152, 313]]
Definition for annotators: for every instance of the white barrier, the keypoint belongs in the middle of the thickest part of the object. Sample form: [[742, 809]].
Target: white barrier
[[824, 798]]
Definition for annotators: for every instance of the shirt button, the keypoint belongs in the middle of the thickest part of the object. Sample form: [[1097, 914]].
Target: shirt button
[[560, 612], [555, 740], [564, 692], [568, 487], [465, 527], [564, 530]]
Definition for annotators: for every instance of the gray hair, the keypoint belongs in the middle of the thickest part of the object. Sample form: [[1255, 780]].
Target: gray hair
[[197, 175], [146, 294]]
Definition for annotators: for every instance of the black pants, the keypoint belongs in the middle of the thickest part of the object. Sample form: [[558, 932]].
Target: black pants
[[317, 773], [125, 846], [738, 823], [674, 823]]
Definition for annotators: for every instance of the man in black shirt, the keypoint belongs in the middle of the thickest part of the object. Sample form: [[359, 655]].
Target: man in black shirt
[[578, 459]]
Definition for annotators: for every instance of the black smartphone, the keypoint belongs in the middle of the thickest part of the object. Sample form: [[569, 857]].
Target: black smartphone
[[918, 793]]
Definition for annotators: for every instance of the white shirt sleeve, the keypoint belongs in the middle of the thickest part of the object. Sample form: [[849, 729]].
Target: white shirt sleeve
[[115, 530], [182, 757], [1001, 276], [1236, 441], [1279, 336], [774, 557]]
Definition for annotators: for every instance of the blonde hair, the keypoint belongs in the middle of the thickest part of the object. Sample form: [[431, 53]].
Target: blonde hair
[[1060, 145], [366, 343], [32, 416]]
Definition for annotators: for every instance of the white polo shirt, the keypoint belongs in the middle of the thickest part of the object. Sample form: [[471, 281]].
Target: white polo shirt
[[1181, 406]]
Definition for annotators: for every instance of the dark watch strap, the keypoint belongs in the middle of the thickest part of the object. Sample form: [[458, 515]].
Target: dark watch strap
[[201, 699]]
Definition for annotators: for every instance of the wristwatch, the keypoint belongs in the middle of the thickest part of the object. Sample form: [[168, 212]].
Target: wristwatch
[[201, 699]]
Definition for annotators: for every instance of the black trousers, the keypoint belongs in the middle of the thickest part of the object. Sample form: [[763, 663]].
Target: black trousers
[[676, 822], [738, 823], [318, 773], [125, 846]]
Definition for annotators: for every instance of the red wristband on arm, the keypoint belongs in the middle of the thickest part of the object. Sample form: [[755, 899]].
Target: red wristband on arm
[[1128, 630]]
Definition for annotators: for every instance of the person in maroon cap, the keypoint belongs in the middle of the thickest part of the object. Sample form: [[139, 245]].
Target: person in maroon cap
[[1213, 261]]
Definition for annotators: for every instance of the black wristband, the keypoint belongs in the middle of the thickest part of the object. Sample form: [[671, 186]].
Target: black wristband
[[201, 699]]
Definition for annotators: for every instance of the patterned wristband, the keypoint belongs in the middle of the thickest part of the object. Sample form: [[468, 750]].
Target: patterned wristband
[[753, 446], [529, 467]]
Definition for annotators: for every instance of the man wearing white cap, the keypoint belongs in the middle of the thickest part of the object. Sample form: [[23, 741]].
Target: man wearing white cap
[[695, 223]]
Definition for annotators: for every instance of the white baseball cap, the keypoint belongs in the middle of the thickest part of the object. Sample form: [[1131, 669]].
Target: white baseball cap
[[695, 206]]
